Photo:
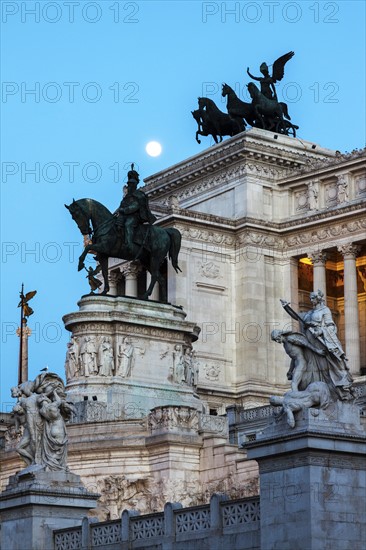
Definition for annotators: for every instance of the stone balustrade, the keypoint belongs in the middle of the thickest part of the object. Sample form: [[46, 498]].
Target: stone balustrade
[[231, 524]]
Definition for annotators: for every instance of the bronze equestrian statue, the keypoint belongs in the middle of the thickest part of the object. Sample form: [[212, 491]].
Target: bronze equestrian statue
[[127, 234]]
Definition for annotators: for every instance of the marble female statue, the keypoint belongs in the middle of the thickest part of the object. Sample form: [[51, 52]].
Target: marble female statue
[[125, 356], [105, 358], [72, 359], [178, 365], [54, 440], [43, 410], [88, 355]]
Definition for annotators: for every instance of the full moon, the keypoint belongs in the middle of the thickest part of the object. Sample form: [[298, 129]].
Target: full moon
[[153, 148]]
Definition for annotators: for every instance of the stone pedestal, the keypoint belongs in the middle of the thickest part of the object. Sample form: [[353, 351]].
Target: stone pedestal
[[148, 364], [313, 481], [36, 502]]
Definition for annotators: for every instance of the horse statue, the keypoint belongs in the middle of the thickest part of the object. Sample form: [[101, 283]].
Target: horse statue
[[153, 246], [271, 113], [205, 128], [237, 108], [212, 121]]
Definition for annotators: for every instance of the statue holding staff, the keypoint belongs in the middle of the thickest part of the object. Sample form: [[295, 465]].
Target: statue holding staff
[[324, 358]]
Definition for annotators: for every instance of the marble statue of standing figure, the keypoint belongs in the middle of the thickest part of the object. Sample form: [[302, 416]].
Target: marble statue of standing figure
[[178, 365], [342, 189], [125, 358], [189, 367], [54, 441], [72, 359], [43, 410], [313, 193], [105, 358], [26, 412], [88, 354], [329, 363]]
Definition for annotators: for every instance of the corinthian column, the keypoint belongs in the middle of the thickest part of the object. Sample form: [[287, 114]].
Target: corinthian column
[[130, 272], [319, 259], [349, 252], [113, 279]]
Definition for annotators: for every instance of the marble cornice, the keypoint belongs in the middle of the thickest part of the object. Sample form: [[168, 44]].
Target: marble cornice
[[323, 168], [293, 235], [254, 145], [182, 215]]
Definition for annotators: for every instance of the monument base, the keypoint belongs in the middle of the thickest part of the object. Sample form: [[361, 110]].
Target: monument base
[[130, 356], [35, 502], [312, 480]]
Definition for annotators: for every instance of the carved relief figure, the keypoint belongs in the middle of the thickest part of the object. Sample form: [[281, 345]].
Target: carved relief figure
[[212, 372], [178, 365], [188, 367], [105, 358], [342, 189], [88, 355], [313, 192], [72, 359], [118, 493], [210, 270], [125, 358]]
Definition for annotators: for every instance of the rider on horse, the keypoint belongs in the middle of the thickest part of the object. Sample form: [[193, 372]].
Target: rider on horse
[[134, 209], [267, 83]]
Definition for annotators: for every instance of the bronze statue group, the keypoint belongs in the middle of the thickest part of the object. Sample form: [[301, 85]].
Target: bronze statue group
[[264, 111]]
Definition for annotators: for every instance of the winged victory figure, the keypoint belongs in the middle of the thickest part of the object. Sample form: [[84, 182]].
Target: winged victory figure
[[267, 81]]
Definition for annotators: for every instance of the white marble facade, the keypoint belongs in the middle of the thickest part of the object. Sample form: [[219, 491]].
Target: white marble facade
[[262, 217], [250, 210]]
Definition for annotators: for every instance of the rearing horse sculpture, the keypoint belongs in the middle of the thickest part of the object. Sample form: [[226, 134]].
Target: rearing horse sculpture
[[156, 242]]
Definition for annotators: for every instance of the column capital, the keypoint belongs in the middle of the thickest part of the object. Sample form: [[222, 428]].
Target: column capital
[[131, 269], [349, 250], [318, 257], [115, 276], [26, 331]]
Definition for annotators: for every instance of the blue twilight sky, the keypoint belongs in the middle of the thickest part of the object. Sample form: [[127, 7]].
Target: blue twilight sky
[[109, 76]]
